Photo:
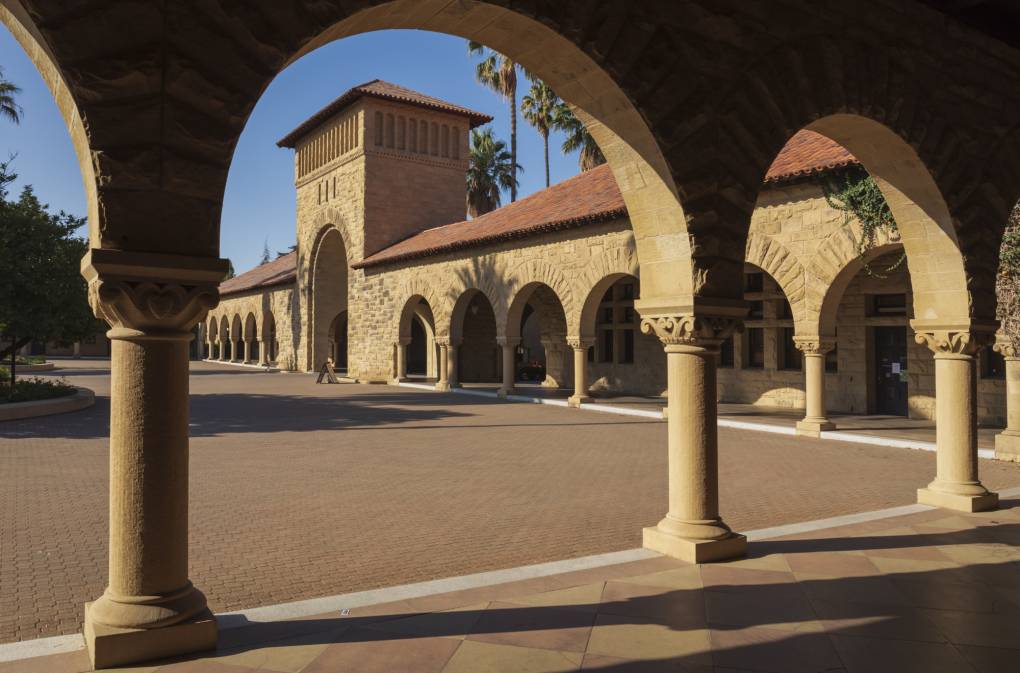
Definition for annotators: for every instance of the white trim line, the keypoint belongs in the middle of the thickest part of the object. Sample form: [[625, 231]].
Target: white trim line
[[757, 427], [41, 647], [622, 411], [834, 522], [262, 368]]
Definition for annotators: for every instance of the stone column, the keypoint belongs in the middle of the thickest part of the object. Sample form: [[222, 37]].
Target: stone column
[[508, 346], [692, 529], [150, 608], [956, 485], [401, 374], [264, 352], [1007, 442], [814, 350], [443, 380], [247, 352], [580, 347], [454, 351], [77, 350]]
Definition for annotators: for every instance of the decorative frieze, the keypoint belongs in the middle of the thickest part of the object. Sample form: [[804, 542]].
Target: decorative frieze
[[954, 341], [813, 345], [691, 330]]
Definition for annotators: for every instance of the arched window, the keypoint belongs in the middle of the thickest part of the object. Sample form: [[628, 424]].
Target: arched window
[[423, 138], [412, 134], [434, 140]]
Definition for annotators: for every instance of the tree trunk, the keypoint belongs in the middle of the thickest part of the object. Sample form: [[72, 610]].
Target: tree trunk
[[14, 356], [545, 140], [15, 345], [513, 143]]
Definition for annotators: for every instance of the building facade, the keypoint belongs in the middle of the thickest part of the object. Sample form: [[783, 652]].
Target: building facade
[[390, 282]]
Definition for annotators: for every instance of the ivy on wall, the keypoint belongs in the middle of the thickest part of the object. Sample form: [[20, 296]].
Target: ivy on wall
[[856, 194], [1007, 283]]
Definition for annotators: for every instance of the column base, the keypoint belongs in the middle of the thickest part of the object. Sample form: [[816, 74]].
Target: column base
[[961, 503], [812, 428], [694, 551], [504, 393], [110, 646], [578, 400], [1007, 446], [442, 387]]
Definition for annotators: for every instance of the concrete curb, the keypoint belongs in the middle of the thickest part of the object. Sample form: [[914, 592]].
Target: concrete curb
[[268, 370], [34, 369], [82, 399]]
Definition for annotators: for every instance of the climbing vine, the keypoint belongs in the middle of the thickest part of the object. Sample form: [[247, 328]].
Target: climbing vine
[[856, 194]]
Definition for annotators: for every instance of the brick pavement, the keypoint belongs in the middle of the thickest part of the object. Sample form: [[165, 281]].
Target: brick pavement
[[417, 486]]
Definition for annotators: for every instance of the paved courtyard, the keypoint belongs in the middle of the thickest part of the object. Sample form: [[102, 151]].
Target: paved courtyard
[[351, 487]]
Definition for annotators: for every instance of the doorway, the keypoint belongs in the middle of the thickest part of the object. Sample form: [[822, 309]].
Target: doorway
[[890, 370]]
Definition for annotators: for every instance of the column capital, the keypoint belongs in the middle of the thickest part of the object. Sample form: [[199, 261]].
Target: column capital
[[706, 331], [948, 340], [147, 294], [580, 343], [443, 341], [814, 345], [508, 341], [1007, 349]]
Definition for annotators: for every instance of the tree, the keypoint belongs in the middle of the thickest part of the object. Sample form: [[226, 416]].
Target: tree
[[578, 138], [539, 107], [287, 252], [490, 169], [42, 293], [230, 270], [8, 107], [265, 253], [499, 73]]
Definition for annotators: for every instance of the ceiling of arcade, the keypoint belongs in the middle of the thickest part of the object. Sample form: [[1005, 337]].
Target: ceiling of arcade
[[700, 95]]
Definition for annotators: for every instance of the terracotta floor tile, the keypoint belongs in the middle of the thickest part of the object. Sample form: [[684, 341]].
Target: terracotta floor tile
[[635, 638], [901, 566], [668, 606], [203, 666], [872, 655], [777, 606], [477, 657], [923, 553], [775, 562], [687, 577], [534, 627], [876, 621], [725, 577], [832, 564], [455, 623], [70, 662], [877, 589], [767, 649], [983, 629], [369, 651], [281, 657], [600, 662], [990, 659], [930, 592], [585, 597]]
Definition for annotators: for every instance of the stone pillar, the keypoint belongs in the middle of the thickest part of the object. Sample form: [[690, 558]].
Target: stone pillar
[[956, 485], [1007, 442], [443, 375], [247, 352], [77, 350], [401, 374], [815, 420], [150, 608], [508, 346], [692, 529], [454, 368], [580, 348], [264, 353]]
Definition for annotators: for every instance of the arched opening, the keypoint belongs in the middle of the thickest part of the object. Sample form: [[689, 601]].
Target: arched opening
[[620, 358], [236, 339], [338, 342], [537, 318], [269, 337], [327, 295], [473, 329], [762, 365], [251, 339], [214, 339], [224, 339], [417, 331]]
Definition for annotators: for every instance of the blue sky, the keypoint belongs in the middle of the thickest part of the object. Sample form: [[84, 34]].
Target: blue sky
[[259, 201]]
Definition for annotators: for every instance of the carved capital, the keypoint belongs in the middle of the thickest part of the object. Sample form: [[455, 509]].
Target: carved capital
[[578, 343], [443, 341], [1007, 349], [691, 330], [953, 342], [508, 341], [813, 345], [143, 294]]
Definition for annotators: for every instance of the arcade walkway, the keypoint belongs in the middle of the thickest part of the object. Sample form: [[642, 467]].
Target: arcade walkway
[[930, 592], [354, 487]]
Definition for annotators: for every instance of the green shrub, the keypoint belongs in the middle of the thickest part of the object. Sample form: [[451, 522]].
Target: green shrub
[[30, 390]]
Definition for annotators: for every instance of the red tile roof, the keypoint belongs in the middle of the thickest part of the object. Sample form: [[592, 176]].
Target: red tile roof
[[592, 196], [377, 88], [808, 153], [281, 270]]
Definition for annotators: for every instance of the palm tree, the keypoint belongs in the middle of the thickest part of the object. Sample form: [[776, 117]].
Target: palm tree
[[490, 170], [539, 107], [578, 138], [499, 73], [8, 108]]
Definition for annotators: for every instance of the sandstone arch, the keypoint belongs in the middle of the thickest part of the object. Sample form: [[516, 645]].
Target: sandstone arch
[[774, 258], [326, 288]]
